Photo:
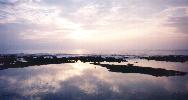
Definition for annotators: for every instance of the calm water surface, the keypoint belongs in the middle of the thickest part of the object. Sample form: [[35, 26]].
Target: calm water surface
[[84, 81]]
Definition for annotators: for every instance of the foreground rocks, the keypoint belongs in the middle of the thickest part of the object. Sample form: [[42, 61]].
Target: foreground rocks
[[130, 68], [169, 58], [14, 61]]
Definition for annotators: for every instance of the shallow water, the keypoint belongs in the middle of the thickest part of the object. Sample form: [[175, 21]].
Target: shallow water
[[84, 81]]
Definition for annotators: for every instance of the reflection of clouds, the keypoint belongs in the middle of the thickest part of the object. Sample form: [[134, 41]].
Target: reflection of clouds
[[177, 84], [53, 78], [41, 79], [160, 64], [115, 89], [9, 80], [86, 85], [187, 86], [89, 88], [86, 81]]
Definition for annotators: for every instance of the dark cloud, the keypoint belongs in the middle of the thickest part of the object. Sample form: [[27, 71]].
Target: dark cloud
[[15, 2], [10, 2], [159, 4], [11, 38], [7, 2], [180, 23], [10, 35], [176, 2]]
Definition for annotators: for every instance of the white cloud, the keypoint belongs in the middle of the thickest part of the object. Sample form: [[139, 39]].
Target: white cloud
[[96, 21]]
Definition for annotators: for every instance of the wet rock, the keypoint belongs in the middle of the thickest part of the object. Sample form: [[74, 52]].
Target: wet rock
[[14, 61], [169, 58], [130, 68]]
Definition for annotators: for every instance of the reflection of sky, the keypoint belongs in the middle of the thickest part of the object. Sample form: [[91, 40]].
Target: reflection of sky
[[85, 81], [161, 64]]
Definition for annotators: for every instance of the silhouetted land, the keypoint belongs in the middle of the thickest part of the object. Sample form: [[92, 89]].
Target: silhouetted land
[[14, 61], [130, 68], [169, 58]]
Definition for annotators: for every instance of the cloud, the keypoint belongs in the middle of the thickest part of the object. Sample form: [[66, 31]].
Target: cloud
[[9, 35], [16, 2], [177, 18], [8, 2], [29, 24], [180, 23], [74, 23]]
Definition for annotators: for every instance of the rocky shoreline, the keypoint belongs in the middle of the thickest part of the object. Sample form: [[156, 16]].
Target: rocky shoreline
[[25, 60], [168, 58], [130, 68], [14, 61]]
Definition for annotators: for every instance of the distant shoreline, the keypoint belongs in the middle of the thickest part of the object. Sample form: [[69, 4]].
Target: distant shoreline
[[123, 52]]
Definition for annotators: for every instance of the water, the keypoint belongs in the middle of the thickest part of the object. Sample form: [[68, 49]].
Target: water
[[84, 81], [124, 52]]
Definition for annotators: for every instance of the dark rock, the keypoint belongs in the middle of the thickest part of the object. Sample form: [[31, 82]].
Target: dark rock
[[169, 58], [15, 61], [129, 68]]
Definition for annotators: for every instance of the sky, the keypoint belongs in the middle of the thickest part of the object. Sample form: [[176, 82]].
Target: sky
[[93, 25]]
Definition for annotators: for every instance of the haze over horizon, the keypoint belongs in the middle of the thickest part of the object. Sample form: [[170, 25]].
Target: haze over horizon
[[93, 25]]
